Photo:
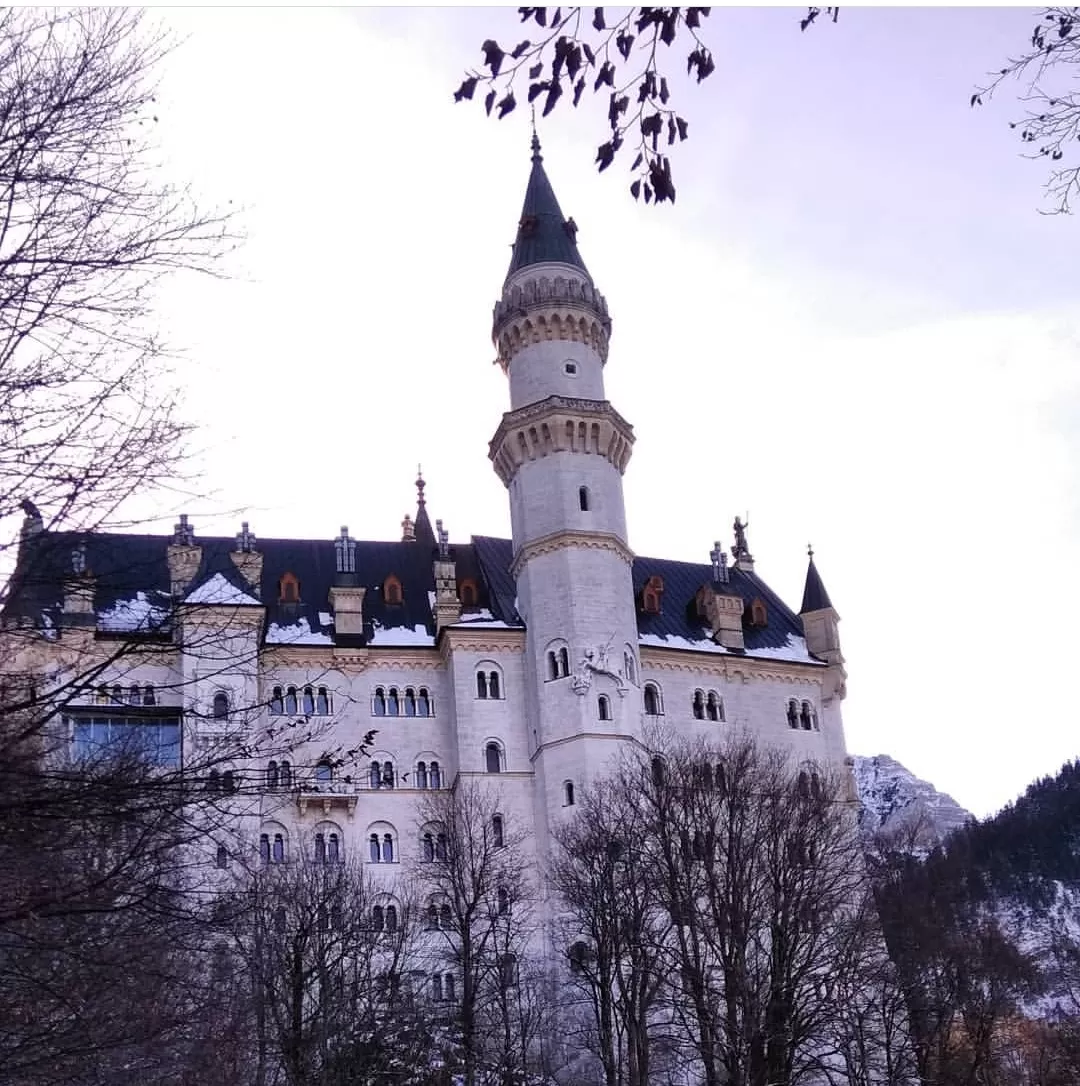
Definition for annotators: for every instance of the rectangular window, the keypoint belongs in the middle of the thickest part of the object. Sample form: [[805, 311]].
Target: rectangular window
[[155, 738]]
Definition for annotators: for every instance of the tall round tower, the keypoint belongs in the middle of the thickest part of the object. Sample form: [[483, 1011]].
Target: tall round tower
[[561, 451]]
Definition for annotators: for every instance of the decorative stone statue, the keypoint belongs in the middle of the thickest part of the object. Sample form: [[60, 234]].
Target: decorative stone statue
[[739, 528], [595, 662]]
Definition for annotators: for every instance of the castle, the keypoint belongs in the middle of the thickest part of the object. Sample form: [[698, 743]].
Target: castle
[[535, 658]]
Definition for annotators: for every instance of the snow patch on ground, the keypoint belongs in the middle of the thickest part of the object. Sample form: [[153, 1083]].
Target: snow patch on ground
[[299, 633], [138, 615], [221, 592], [401, 636]]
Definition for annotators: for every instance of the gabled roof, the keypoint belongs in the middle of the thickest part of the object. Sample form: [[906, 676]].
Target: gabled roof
[[814, 598], [544, 234]]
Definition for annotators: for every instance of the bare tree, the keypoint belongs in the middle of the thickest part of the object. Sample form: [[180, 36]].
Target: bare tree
[[612, 929], [478, 900]]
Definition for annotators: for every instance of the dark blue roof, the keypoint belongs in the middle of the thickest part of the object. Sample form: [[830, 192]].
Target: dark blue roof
[[125, 565], [544, 234], [814, 597]]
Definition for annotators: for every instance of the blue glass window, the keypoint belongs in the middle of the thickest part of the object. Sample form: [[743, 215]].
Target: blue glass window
[[156, 739]]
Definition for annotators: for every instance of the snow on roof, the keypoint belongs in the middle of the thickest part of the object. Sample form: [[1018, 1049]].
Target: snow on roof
[[218, 590], [134, 615], [401, 635], [484, 618], [297, 633], [794, 650], [675, 641]]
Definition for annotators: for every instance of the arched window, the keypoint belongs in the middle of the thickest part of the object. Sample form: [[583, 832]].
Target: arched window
[[759, 616], [553, 665], [508, 970], [435, 775], [375, 775], [288, 589], [324, 771], [277, 702], [497, 836], [806, 717], [481, 685], [713, 710], [392, 591], [264, 848], [410, 701], [440, 846], [320, 848], [387, 848], [436, 987], [335, 918], [583, 498], [467, 593], [721, 781], [272, 775], [815, 786], [221, 706], [699, 705], [564, 662], [333, 849], [377, 921], [286, 775], [568, 793], [290, 701], [431, 915], [603, 707], [658, 771], [134, 696], [222, 856], [391, 918], [148, 696], [502, 897], [652, 700], [388, 774], [229, 781], [309, 701], [793, 714], [378, 705], [278, 850], [393, 705], [493, 758], [322, 702], [423, 702], [427, 847], [373, 848], [213, 781], [652, 595], [804, 785], [629, 667], [448, 987], [578, 955], [421, 775], [493, 684], [446, 918]]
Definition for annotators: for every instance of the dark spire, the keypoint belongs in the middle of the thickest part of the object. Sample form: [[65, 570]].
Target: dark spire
[[814, 597], [543, 233], [422, 530]]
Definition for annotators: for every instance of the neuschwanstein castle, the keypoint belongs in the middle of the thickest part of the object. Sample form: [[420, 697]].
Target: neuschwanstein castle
[[535, 659]]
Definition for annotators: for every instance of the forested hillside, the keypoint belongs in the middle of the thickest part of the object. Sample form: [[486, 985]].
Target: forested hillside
[[985, 933]]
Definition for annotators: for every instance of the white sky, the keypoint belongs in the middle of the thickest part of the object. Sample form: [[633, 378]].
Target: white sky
[[853, 324]]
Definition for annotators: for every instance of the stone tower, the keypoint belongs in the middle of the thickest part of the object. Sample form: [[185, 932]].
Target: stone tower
[[561, 451]]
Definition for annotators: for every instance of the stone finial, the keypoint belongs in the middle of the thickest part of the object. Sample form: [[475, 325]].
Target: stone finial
[[408, 530], [345, 551], [32, 524], [444, 539], [420, 484], [719, 564], [183, 532], [245, 540]]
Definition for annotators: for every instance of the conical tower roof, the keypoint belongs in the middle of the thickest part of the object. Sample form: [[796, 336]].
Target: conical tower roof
[[423, 533], [815, 597], [544, 234]]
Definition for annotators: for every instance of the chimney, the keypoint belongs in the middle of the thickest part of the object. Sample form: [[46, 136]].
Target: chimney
[[248, 561], [346, 596], [447, 604], [185, 557], [79, 592], [723, 612], [408, 531]]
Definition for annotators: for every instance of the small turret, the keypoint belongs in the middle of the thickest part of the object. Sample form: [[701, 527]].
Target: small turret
[[79, 591], [821, 628], [447, 604], [184, 557], [346, 595], [248, 561]]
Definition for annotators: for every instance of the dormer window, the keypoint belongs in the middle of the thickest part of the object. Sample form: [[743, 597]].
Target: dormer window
[[289, 588], [759, 615], [527, 225], [467, 593], [652, 595], [392, 591]]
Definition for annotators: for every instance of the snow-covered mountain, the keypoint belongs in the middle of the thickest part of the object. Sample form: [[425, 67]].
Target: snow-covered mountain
[[894, 800]]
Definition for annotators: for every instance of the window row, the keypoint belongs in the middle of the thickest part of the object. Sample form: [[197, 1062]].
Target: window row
[[310, 701], [707, 705], [488, 685], [119, 695], [389, 701], [801, 716]]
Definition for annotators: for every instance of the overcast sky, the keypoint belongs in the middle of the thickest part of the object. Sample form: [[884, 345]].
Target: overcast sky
[[853, 325]]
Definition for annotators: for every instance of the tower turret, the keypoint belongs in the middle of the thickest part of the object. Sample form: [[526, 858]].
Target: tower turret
[[561, 451], [821, 628]]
